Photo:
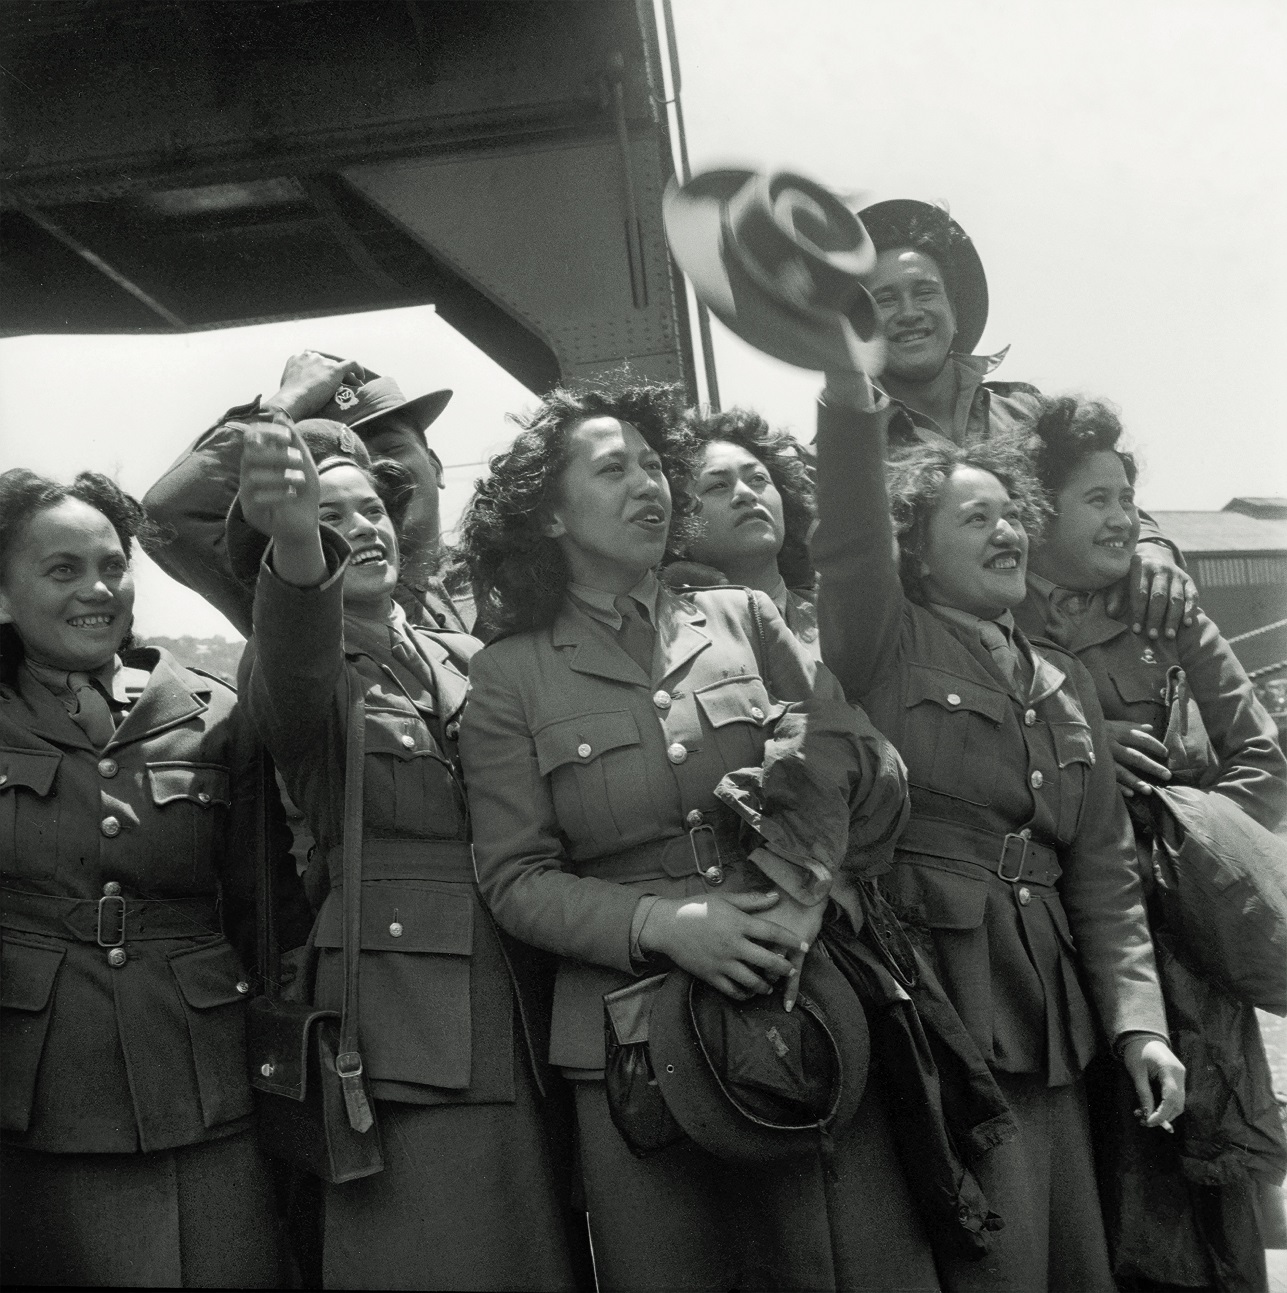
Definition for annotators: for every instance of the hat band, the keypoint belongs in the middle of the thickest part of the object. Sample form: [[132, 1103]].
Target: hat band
[[339, 460]]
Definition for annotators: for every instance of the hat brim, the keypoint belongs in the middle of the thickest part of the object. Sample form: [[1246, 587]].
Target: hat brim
[[702, 1109], [693, 215], [970, 303], [423, 411]]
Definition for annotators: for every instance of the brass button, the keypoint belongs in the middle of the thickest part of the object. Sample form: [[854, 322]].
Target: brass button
[[4, 776], [111, 889], [452, 731], [116, 957], [953, 698], [676, 753], [110, 827], [203, 796], [757, 713], [243, 987], [1037, 780], [583, 750], [1026, 832], [268, 1069], [1029, 717], [1025, 895], [661, 699], [395, 929], [713, 875], [409, 742], [108, 767], [695, 818]]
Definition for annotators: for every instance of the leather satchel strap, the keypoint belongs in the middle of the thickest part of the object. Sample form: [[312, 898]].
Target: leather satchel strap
[[348, 1060], [267, 950]]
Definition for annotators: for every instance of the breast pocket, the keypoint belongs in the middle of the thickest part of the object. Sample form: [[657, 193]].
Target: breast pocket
[[192, 800], [28, 818], [740, 715], [951, 734], [409, 784], [597, 779]]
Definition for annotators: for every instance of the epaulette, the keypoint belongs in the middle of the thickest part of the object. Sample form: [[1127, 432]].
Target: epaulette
[[215, 677]]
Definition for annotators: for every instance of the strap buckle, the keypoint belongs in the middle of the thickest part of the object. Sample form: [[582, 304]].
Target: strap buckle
[[120, 915], [1007, 852], [709, 866], [349, 1064]]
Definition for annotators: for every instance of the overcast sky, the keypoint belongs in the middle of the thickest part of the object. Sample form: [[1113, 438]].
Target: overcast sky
[[1121, 166]]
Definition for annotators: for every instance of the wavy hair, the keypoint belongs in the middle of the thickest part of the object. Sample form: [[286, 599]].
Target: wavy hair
[[916, 480], [520, 575], [24, 494], [781, 455], [1064, 432]]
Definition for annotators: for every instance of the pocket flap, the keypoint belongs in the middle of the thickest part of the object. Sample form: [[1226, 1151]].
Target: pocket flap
[[738, 700], [1073, 743], [31, 769], [278, 1034], [954, 694], [630, 1008], [429, 920], [208, 976], [1139, 687], [27, 973], [944, 899], [397, 732], [200, 783], [584, 738]]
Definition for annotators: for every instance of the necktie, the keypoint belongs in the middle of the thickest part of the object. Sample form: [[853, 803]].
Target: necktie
[[999, 648], [93, 715], [635, 635]]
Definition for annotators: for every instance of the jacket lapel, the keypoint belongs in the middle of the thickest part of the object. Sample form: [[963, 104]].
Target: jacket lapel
[[172, 696], [1047, 677], [450, 685], [44, 715], [595, 652], [680, 631]]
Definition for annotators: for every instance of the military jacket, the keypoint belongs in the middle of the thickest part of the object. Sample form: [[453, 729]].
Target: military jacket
[[987, 758], [123, 1039], [575, 756], [1130, 676], [436, 1006]]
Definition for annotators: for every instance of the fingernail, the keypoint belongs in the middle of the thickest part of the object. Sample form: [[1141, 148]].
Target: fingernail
[[1166, 1126], [1135, 628], [1170, 633], [804, 947]]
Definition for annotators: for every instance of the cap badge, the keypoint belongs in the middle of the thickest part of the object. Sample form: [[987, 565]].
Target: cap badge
[[1148, 657], [346, 397]]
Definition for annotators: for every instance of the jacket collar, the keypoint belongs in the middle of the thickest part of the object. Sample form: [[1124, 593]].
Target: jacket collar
[[1072, 632], [423, 669], [172, 696]]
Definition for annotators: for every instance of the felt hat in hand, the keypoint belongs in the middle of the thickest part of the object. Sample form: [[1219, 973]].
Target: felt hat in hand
[[365, 403], [749, 1082], [779, 260]]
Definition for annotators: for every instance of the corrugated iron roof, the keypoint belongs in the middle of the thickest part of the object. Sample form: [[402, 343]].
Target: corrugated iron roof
[[1198, 532]]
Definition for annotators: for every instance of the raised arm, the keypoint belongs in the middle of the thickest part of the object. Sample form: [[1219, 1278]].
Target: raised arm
[[860, 604]]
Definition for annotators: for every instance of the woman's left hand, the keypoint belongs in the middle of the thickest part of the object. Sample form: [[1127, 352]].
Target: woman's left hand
[[1149, 1059], [805, 922]]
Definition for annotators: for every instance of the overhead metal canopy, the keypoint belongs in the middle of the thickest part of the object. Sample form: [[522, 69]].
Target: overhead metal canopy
[[200, 164]]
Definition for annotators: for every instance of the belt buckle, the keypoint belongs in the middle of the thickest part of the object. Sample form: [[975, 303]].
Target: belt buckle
[[1023, 857], [713, 873], [120, 941]]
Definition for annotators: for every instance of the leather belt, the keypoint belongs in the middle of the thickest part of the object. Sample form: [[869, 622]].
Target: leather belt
[[408, 859], [707, 849], [108, 921], [1012, 857]]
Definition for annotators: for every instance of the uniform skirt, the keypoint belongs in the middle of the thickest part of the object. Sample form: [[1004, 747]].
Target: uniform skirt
[[683, 1219], [472, 1196], [202, 1216]]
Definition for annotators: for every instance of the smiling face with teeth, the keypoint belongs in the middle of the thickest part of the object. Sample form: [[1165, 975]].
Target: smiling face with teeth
[[611, 515], [348, 503], [914, 313], [976, 547], [1091, 540], [67, 588]]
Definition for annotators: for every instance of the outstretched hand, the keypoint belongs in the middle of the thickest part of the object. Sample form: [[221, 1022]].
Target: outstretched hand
[[279, 493], [723, 941]]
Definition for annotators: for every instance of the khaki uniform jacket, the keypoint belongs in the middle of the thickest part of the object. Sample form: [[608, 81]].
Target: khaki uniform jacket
[[982, 755], [436, 1006], [1129, 672], [150, 1053], [574, 754]]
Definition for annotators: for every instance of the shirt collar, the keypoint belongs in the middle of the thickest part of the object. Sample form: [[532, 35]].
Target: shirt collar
[[111, 677], [1004, 621], [598, 603], [778, 596], [971, 370]]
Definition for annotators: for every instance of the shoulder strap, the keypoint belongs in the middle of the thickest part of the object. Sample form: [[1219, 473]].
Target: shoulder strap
[[348, 1060], [267, 950], [761, 652]]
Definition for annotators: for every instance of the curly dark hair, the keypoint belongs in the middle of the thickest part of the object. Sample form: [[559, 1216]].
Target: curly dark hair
[[23, 494], [1064, 432], [781, 455], [916, 479], [930, 232], [519, 574]]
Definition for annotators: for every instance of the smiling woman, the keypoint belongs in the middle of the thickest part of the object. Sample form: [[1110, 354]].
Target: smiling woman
[[127, 827]]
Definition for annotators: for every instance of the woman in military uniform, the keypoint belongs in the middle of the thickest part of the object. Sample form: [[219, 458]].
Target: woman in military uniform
[[1233, 1125], [756, 512], [128, 790], [598, 727], [467, 1197], [1017, 864]]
